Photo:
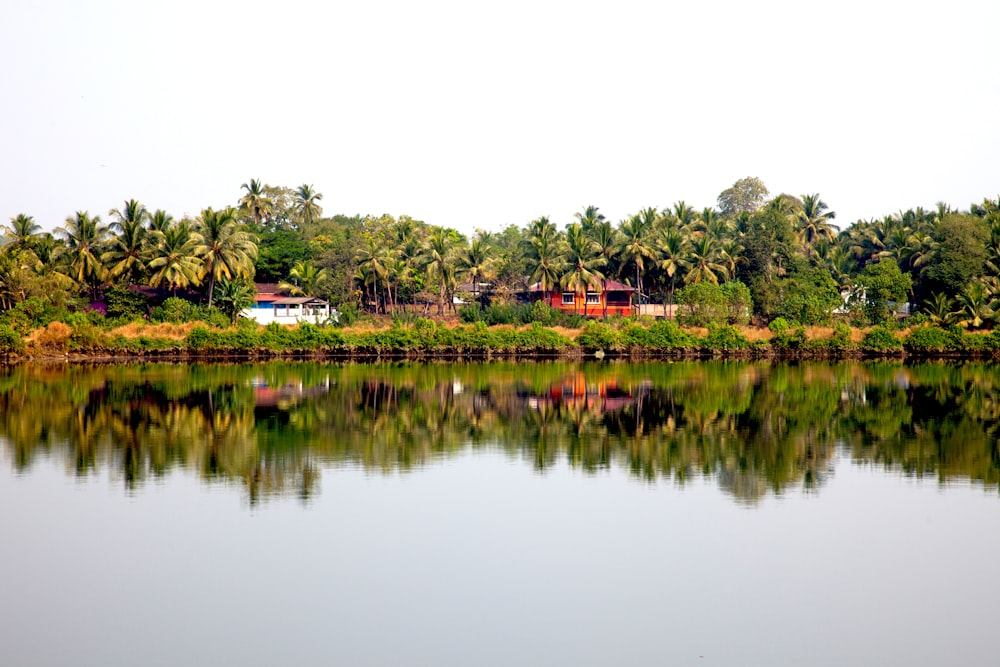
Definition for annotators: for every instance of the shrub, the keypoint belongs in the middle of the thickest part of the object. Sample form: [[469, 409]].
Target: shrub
[[928, 339], [881, 339], [541, 313], [10, 340], [725, 337], [701, 304], [198, 338], [598, 336], [779, 325], [470, 312], [793, 339], [737, 302], [124, 304]]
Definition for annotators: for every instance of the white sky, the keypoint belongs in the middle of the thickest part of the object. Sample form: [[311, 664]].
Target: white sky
[[475, 114]]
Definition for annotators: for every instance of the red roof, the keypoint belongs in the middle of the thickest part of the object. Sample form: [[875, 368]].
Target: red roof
[[610, 286]]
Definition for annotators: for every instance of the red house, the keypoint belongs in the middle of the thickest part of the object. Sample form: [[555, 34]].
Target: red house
[[617, 296]]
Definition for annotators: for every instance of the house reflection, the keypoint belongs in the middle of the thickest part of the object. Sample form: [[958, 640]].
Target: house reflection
[[596, 395]]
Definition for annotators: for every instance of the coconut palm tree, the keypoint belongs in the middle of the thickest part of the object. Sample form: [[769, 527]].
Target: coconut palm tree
[[636, 247], [438, 258], [477, 262], [606, 243], [939, 309], [372, 259], [673, 249], [590, 217], [307, 204], [255, 203], [304, 278], [127, 250], [84, 238], [582, 263], [705, 262], [21, 233], [226, 249], [814, 222], [160, 220], [175, 262], [545, 261]]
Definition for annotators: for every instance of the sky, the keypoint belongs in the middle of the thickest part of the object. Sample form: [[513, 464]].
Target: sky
[[477, 115]]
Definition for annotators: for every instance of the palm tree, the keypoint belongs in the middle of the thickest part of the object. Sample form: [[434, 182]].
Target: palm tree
[[235, 296], [160, 220], [304, 279], [372, 259], [477, 262], [175, 261], [590, 217], [636, 247], [307, 203], [938, 309], [225, 249], [705, 262], [84, 237], [606, 243], [255, 203], [814, 222], [673, 250], [976, 305], [438, 258], [545, 262], [21, 233], [683, 214], [581, 261], [127, 250]]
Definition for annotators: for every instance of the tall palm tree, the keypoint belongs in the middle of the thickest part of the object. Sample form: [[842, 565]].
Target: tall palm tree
[[582, 263], [21, 233], [84, 238], [590, 217], [127, 250], [226, 249], [477, 262], [255, 203], [814, 222], [304, 278], [684, 214], [160, 220], [673, 249], [307, 203], [636, 247], [606, 243], [705, 262], [175, 261], [545, 262], [438, 259], [372, 259]]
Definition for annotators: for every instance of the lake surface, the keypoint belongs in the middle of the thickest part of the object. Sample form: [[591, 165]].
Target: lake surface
[[499, 514]]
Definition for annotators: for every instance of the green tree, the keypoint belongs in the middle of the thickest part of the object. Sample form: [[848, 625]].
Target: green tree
[[85, 239], [814, 222], [961, 253], [477, 262], [255, 203], [21, 233], [745, 196], [581, 263], [234, 297], [175, 262], [882, 284], [307, 204], [304, 279], [226, 249], [636, 246]]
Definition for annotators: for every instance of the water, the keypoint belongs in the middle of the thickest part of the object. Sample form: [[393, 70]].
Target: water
[[551, 514]]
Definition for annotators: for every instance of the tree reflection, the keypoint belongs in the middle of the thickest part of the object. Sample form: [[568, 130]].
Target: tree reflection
[[755, 428]]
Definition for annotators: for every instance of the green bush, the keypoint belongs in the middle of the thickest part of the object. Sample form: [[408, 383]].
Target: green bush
[[789, 339], [10, 340], [779, 325], [725, 337], [701, 304], [929, 339], [881, 339], [541, 313], [737, 302], [470, 312], [198, 338], [174, 309], [124, 304], [598, 336]]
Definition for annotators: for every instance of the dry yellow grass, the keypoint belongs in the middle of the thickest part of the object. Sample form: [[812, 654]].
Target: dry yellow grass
[[163, 330], [55, 335]]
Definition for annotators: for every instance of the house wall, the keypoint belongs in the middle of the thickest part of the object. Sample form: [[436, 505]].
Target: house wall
[[265, 314], [581, 306]]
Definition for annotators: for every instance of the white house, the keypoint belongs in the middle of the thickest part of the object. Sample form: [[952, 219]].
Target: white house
[[269, 306]]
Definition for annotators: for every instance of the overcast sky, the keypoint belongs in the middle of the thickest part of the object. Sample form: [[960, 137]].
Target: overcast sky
[[478, 115]]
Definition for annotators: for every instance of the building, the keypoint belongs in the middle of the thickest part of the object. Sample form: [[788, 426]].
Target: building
[[271, 306], [617, 296]]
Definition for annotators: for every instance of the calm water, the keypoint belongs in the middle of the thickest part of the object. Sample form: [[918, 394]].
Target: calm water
[[504, 514]]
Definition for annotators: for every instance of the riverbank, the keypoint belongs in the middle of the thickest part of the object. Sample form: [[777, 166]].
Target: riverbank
[[427, 339]]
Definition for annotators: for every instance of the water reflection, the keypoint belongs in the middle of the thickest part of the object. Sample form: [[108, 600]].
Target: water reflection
[[755, 428]]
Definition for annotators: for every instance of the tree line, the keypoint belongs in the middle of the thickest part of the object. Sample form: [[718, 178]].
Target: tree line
[[794, 262]]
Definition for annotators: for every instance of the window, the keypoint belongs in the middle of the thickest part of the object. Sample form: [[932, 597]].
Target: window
[[593, 299], [281, 310], [569, 298]]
